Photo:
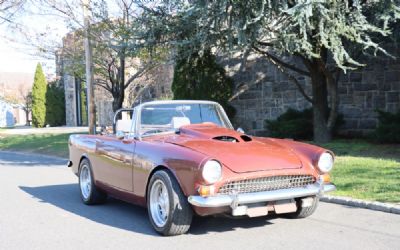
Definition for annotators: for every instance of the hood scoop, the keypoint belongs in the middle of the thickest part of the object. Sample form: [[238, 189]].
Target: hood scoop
[[226, 138], [211, 131]]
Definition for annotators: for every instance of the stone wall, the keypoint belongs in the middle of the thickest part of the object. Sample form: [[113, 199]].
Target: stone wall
[[269, 93]]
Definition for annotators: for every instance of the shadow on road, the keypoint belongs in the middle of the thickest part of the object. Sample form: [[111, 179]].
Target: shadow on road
[[30, 160], [204, 225], [129, 217]]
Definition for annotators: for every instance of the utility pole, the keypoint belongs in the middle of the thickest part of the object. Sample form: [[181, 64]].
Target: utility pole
[[89, 70]]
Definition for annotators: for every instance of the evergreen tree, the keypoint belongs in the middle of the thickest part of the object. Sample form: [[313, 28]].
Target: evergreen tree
[[39, 98], [84, 113], [199, 77], [55, 105]]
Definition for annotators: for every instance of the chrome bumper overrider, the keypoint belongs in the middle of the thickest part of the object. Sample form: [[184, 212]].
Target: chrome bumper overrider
[[283, 194]]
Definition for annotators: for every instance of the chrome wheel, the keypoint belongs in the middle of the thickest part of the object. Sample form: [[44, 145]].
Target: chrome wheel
[[159, 203], [85, 181]]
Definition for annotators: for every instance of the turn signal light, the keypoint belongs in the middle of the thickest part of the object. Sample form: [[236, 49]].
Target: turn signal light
[[206, 190], [326, 178]]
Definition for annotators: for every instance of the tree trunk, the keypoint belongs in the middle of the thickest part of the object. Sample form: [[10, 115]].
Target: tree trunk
[[322, 133], [118, 99], [119, 91], [27, 117]]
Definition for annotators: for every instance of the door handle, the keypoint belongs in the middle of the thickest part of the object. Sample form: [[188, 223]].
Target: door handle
[[98, 141]]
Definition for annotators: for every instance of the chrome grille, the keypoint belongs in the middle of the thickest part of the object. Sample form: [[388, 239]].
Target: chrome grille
[[266, 184]]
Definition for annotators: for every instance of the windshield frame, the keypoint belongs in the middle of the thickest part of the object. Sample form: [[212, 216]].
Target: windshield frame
[[139, 109]]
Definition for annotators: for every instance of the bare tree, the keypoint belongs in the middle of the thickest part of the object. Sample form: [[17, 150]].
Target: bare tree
[[119, 57], [26, 96], [9, 8]]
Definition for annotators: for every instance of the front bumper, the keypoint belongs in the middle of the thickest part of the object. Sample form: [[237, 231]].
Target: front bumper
[[316, 189]]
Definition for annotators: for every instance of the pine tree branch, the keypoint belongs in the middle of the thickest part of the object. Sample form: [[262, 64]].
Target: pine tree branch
[[282, 63], [297, 83], [291, 77], [265, 44]]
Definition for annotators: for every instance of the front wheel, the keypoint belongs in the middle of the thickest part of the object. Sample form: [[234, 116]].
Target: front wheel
[[89, 193], [305, 207], [168, 208]]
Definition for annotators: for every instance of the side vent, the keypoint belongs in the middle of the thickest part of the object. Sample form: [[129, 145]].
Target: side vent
[[226, 138], [246, 138]]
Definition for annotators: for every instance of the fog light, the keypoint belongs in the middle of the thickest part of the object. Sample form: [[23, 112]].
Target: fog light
[[206, 190], [326, 178]]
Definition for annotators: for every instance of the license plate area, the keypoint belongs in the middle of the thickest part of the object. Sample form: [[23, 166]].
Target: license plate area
[[285, 206]]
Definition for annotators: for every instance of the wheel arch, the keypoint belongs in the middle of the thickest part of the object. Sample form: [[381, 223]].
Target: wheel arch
[[169, 170], [83, 156]]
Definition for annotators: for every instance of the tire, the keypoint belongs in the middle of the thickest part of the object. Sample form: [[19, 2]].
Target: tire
[[90, 195], [303, 212], [167, 206]]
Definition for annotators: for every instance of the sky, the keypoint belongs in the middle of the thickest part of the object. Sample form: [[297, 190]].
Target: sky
[[14, 59], [18, 50]]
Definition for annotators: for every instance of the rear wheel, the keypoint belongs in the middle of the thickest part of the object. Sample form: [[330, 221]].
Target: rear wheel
[[89, 193], [168, 208], [305, 207]]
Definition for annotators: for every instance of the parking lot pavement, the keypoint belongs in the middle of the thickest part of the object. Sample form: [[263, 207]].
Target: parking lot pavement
[[41, 209]]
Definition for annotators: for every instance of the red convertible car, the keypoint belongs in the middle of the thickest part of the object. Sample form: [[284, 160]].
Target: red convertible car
[[180, 158]]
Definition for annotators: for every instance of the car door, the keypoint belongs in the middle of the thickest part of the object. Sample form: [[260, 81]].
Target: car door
[[115, 163]]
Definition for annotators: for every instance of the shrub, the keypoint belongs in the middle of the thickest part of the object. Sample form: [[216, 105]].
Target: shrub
[[39, 98], [296, 125], [201, 78], [388, 129], [55, 105]]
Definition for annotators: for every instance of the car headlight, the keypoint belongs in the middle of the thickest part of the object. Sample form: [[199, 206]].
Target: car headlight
[[325, 162], [212, 171]]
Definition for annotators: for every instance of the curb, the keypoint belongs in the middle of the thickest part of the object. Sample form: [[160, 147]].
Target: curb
[[372, 205]]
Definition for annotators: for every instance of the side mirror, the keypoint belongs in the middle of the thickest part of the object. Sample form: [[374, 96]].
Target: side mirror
[[103, 130], [240, 130]]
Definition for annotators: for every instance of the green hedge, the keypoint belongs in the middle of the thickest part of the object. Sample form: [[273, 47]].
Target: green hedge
[[296, 124], [55, 105], [388, 130]]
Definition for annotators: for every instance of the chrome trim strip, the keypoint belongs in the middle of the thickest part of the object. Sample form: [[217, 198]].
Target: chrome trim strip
[[275, 195]]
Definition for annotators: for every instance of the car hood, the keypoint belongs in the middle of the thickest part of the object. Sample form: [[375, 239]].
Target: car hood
[[246, 154]]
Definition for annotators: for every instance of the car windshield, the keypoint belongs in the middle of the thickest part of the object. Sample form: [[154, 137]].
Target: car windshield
[[160, 118]]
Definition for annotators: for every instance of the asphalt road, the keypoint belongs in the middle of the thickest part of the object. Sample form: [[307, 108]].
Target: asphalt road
[[40, 208]]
